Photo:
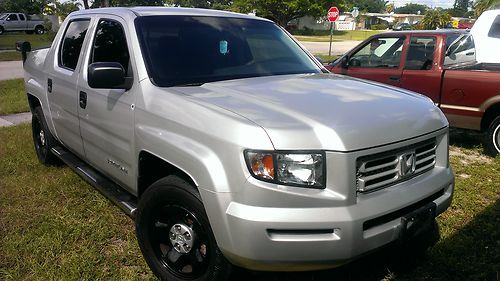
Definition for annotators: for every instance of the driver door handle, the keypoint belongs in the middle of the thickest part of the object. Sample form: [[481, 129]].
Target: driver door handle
[[83, 99]]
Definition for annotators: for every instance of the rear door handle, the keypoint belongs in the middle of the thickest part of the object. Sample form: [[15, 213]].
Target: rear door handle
[[49, 85], [394, 78], [83, 99]]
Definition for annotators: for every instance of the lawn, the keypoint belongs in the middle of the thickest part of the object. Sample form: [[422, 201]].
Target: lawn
[[12, 97], [10, 55], [8, 40], [54, 226], [357, 35], [326, 58]]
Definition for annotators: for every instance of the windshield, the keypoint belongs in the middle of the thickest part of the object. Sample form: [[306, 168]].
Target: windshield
[[192, 50], [2, 16]]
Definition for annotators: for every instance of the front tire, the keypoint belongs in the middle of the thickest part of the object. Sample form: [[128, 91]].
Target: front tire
[[493, 141], [1, 30], [175, 236], [43, 139]]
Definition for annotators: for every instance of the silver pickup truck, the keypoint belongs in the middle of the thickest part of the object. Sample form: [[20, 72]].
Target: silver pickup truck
[[229, 144], [20, 22]]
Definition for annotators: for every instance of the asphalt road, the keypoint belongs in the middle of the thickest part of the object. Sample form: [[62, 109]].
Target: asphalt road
[[338, 48]]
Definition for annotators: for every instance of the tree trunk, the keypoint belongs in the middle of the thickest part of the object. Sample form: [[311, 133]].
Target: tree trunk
[[106, 3], [86, 4]]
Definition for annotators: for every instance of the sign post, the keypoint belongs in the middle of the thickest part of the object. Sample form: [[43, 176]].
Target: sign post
[[333, 15]]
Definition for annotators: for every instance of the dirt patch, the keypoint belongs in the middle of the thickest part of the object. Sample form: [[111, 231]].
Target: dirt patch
[[469, 156]]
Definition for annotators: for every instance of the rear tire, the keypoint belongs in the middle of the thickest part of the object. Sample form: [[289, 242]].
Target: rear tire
[[493, 141], [175, 236], [39, 30], [43, 139], [1, 30]]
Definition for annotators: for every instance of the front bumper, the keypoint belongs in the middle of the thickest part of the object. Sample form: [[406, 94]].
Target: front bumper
[[313, 238]]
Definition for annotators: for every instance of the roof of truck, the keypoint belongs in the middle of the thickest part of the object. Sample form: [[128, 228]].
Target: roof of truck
[[153, 11]]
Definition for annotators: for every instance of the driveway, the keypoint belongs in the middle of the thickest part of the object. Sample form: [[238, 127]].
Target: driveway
[[11, 70]]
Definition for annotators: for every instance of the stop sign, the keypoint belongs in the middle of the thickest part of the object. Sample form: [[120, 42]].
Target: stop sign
[[333, 14]]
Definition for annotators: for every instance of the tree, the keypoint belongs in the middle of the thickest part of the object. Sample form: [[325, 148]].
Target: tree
[[217, 4], [125, 3], [283, 11], [86, 4], [482, 5], [436, 18], [367, 6], [412, 9], [62, 9], [23, 6]]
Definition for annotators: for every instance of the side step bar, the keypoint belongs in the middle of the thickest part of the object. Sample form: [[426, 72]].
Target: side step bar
[[112, 191]]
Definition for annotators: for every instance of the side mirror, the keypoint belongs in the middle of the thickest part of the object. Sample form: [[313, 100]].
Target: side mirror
[[23, 47], [108, 75]]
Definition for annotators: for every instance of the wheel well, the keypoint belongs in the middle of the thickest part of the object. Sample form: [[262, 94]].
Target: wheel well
[[33, 102], [153, 168], [489, 115], [39, 25]]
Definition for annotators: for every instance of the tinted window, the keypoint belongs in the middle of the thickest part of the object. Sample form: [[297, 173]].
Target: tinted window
[[21, 17], [110, 44], [72, 43], [450, 39], [462, 51], [420, 53], [495, 28], [379, 53], [12, 17], [183, 50]]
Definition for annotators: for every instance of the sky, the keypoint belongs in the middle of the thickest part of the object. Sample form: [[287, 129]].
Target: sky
[[431, 3]]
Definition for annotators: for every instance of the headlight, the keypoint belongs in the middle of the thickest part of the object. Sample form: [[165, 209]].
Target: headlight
[[288, 168]]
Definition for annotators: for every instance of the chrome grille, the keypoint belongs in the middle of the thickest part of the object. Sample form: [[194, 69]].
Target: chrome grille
[[387, 168]]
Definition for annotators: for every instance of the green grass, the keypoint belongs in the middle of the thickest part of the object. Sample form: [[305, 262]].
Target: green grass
[[326, 58], [10, 55], [54, 226], [12, 97], [8, 40], [357, 35]]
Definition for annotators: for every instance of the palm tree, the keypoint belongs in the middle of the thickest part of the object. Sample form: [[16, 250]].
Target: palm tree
[[435, 18], [482, 5]]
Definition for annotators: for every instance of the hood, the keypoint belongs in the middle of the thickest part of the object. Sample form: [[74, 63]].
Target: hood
[[324, 111]]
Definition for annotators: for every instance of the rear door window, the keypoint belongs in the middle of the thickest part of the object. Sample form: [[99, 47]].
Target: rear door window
[[21, 17], [421, 53], [72, 43]]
